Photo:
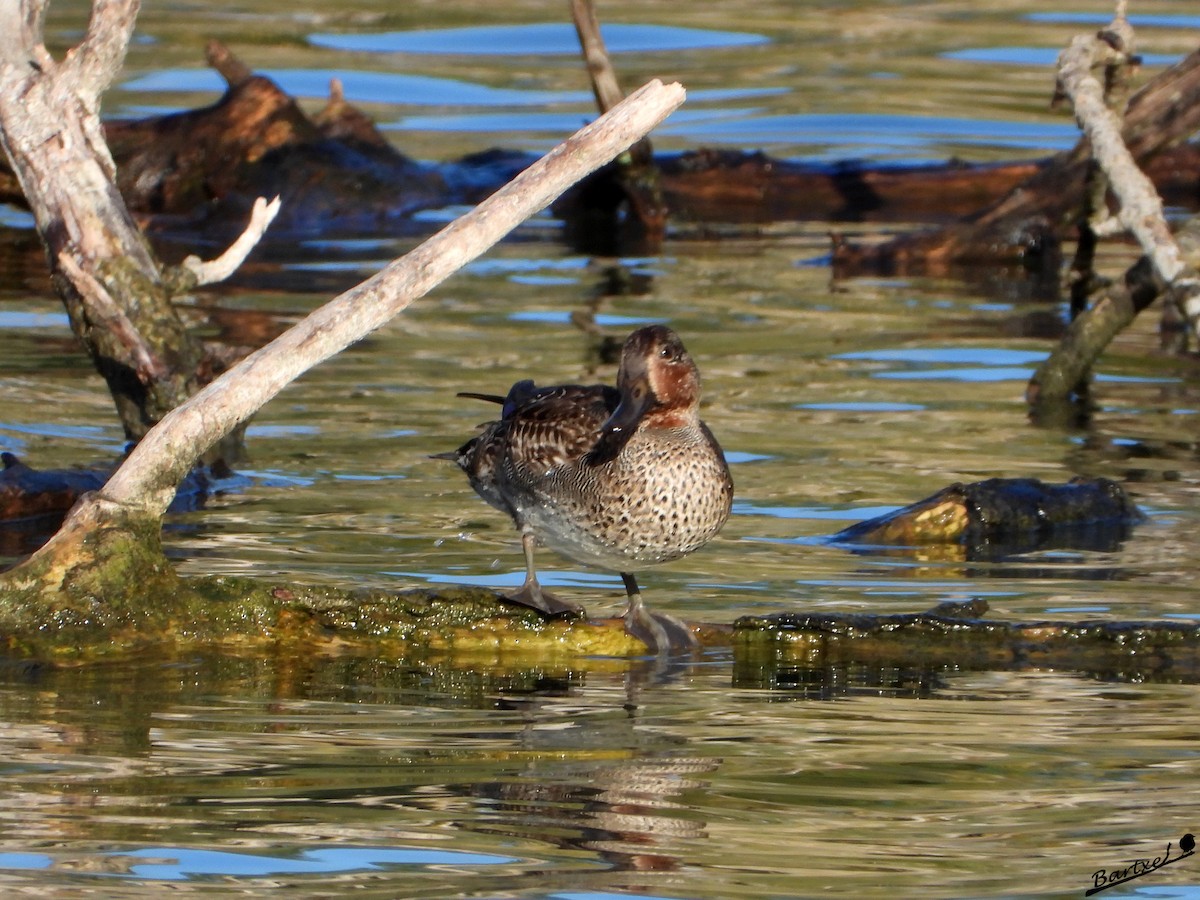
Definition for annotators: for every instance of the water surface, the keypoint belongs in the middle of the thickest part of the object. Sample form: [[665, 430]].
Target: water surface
[[724, 778]]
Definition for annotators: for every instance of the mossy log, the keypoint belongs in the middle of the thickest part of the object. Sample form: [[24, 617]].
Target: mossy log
[[175, 616], [103, 588], [956, 638]]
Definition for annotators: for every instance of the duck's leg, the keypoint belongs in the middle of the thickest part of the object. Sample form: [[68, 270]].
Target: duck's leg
[[531, 593], [662, 633]]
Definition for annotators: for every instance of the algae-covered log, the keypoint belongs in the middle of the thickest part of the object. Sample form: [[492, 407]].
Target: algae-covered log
[[958, 639], [123, 595], [1009, 511]]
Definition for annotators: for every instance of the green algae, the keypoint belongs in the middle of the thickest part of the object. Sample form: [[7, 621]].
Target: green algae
[[102, 586]]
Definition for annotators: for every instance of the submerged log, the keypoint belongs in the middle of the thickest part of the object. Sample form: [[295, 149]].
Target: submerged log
[[33, 501], [199, 172], [769, 648], [179, 617], [1028, 224], [27, 493], [737, 186], [1002, 511]]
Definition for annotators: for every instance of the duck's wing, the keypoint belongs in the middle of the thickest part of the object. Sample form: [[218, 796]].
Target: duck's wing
[[553, 427]]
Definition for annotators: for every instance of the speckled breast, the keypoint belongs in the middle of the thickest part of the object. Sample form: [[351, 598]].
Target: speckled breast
[[665, 495]]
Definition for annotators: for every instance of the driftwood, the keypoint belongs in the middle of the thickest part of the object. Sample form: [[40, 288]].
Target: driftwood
[[198, 173], [1164, 269], [1028, 224]]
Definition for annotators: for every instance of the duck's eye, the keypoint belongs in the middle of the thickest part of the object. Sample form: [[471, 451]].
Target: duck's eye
[[665, 353]]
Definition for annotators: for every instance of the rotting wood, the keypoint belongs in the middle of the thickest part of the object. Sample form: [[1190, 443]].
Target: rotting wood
[[1027, 224]]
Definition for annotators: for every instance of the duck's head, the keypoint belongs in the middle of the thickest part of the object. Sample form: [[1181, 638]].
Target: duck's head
[[659, 386]]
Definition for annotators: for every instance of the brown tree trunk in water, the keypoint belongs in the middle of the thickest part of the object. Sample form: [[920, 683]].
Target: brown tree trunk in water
[[1027, 223], [627, 193]]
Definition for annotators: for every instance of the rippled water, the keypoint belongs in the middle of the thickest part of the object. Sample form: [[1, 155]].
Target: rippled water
[[452, 777]]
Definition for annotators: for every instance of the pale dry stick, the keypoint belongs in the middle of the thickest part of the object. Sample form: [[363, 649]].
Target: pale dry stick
[[1140, 208], [228, 262], [147, 480]]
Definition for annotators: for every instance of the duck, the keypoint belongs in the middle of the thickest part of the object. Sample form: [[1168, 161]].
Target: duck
[[618, 478]]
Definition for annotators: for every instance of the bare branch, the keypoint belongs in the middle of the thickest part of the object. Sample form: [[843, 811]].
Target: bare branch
[[1163, 268], [147, 479], [600, 69], [95, 62], [227, 263], [1140, 206]]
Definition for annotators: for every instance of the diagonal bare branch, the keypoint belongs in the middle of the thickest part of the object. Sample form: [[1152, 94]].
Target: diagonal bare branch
[[147, 479]]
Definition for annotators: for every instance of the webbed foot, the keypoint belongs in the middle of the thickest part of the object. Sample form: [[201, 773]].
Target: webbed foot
[[530, 593], [664, 634], [550, 605]]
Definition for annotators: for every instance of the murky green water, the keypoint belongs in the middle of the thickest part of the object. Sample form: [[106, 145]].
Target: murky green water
[[451, 778]]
